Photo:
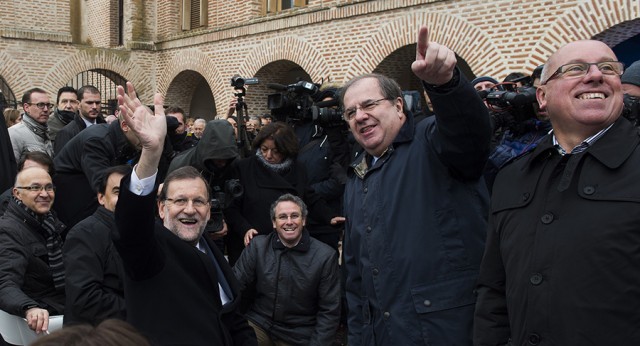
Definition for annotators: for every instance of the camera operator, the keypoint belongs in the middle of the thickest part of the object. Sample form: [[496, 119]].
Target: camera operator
[[631, 88], [518, 123], [212, 156], [324, 154]]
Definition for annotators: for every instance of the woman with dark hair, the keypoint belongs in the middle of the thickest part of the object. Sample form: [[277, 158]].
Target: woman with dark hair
[[265, 176]]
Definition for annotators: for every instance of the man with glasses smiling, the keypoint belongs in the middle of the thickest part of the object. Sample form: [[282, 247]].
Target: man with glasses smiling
[[179, 288], [561, 266], [32, 133], [415, 206], [31, 267]]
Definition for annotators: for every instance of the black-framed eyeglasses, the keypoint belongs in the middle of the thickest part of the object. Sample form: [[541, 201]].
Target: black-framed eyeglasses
[[366, 106], [38, 188], [580, 69], [41, 105], [183, 202]]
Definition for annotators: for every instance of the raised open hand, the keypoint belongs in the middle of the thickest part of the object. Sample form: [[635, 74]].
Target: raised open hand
[[150, 129], [434, 63]]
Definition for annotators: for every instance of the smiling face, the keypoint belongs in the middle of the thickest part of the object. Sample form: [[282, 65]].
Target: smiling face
[[188, 221], [376, 128], [39, 201], [288, 223], [581, 106]]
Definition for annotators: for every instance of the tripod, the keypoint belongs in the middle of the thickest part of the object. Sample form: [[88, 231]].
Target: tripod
[[241, 109]]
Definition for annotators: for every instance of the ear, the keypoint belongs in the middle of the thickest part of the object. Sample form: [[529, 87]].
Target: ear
[[101, 198], [161, 209], [304, 221], [273, 222], [123, 125], [25, 107], [16, 193], [541, 95]]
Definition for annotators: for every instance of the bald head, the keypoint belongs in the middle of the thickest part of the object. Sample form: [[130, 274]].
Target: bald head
[[556, 59], [39, 200]]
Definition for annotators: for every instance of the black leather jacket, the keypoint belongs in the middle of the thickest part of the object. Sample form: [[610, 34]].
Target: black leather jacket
[[298, 289]]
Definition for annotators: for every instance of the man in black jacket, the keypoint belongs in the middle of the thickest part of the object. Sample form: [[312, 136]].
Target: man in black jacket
[[179, 288], [93, 268], [561, 264], [296, 279], [31, 267]]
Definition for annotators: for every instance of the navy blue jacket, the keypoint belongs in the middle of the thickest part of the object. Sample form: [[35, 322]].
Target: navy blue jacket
[[415, 228]]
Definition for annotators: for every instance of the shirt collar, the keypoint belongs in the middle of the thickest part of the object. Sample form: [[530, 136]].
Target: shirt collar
[[582, 146]]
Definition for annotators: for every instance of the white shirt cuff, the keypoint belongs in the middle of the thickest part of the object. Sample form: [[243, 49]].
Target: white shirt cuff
[[142, 187]]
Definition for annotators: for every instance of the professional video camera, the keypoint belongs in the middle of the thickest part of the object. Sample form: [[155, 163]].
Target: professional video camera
[[517, 102], [220, 200], [295, 103]]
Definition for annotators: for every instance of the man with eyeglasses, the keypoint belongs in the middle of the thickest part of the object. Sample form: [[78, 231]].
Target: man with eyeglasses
[[296, 280], [179, 289], [32, 134], [31, 238], [562, 261], [88, 114], [415, 206], [66, 109]]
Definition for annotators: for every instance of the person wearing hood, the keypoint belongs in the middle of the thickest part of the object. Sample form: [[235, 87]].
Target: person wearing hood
[[212, 156], [178, 137], [66, 108]]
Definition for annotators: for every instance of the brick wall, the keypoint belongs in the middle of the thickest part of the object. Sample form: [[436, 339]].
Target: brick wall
[[328, 39]]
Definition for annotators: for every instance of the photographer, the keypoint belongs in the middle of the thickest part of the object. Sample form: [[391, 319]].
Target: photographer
[[212, 156], [631, 88], [323, 152], [518, 123]]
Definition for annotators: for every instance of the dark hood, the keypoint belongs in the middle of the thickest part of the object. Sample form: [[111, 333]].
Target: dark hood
[[217, 143]]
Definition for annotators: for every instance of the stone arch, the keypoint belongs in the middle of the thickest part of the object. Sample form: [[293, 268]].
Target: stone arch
[[197, 61], [467, 40], [120, 62], [290, 48], [584, 22]]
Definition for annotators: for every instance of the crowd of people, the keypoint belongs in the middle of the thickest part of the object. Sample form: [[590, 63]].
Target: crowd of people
[[505, 214]]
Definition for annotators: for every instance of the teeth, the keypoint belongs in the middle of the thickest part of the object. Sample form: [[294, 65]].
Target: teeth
[[591, 96], [188, 221]]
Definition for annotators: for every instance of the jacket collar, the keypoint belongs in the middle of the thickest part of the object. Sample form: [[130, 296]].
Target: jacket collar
[[611, 150], [303, 245]]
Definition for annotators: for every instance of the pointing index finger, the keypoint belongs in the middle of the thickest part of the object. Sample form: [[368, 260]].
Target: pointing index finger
[[423, 43]]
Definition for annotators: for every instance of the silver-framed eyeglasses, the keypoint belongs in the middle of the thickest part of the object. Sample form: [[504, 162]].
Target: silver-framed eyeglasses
[[183, 202], [38, 188], [366, 106], [580, 69]]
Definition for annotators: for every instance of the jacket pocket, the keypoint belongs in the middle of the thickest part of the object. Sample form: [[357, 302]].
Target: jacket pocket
[[445, 310]]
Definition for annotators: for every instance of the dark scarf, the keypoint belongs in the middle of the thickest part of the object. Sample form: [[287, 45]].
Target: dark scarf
[[36, 127], [279, 168], [50, 228], [64, 116]]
